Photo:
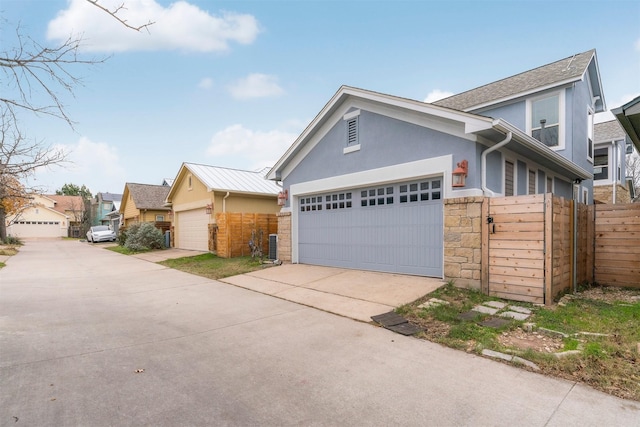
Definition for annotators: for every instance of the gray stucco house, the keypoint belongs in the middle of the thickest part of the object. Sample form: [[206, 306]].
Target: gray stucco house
[[365, 183]]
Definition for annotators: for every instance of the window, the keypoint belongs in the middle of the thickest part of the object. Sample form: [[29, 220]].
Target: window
[[160, 218], [377, 196], [544, 120], [601, 164], [532, 182], [590, 135], [421, 191], [508, 178]]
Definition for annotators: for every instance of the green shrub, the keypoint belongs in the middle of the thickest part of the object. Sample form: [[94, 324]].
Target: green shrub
[[12, 240], [143, 237], [122, 237]]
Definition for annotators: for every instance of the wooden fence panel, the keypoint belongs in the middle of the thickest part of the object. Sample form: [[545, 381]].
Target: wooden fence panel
[[235, 232], [562, 238], [514, 248], [617, 245]]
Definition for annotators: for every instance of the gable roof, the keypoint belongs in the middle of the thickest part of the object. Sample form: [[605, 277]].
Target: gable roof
[[147, 196], [67, 203], [608, 131], [110, 197], [217, 178], [629, 117], [493, 130], [564, 71]]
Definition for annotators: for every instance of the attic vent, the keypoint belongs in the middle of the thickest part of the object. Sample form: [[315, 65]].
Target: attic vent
[[352, 131]]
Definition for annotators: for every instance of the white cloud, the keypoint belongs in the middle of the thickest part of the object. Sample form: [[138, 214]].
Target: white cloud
[[239, 147], [255, 86], [94, 164], [180, 26], [436, 95], [206, 83]]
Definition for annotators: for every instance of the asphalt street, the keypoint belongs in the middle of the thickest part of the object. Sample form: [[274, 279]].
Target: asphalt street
[[89, 337]]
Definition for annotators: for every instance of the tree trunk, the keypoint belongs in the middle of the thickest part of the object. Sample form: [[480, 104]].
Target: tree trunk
[[3, 224]]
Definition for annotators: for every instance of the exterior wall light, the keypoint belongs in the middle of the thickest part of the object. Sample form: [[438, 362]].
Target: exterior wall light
[[460, 174], [283, 196], [208, 209]]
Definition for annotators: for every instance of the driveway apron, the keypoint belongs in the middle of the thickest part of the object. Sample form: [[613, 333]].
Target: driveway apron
[[90, 337]]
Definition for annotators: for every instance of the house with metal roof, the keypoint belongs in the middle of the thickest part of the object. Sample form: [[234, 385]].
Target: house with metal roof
[[199, 192], [144, 203], [368, 179]]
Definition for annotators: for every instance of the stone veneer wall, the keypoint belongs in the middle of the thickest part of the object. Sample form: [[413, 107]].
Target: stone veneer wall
[[462, 241], [604, 194], [284, 236]]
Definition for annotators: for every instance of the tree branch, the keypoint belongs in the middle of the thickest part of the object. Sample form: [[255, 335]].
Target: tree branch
[[114, 14]]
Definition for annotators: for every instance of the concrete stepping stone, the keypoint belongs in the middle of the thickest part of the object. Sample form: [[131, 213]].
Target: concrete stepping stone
[[494, 322], [519, 309], [515, 315], [485, 309], [495, 304]]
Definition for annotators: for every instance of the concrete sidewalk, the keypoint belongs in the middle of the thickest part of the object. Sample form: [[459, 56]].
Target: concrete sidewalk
[[351, 293]]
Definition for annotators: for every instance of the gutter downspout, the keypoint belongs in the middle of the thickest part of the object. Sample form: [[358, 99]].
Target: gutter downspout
[[224, 203], [483, 163], [614, 172]]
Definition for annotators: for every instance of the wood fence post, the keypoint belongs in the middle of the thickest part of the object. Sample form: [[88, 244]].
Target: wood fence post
[[548, 248]]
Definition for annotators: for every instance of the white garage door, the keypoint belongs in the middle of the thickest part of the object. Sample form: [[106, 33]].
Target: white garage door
[[192, 230], [37, 229], [394, 228]]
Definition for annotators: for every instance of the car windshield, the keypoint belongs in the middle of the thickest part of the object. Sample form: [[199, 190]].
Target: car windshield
[[101, 228]]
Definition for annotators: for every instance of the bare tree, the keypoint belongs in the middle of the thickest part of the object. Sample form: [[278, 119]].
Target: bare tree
[[28, 71]]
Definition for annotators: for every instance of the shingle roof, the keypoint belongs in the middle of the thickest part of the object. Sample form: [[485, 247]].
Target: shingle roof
[[608, 131], [567, 69], [236, 180], [147, 196], [67, 203]]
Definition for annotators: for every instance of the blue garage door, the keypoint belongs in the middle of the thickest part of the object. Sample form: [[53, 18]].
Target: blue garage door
[[396, 228]]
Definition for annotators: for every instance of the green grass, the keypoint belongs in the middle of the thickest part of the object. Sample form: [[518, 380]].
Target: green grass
[[609, 358], [213, 267], [2, 264], [124, 251]]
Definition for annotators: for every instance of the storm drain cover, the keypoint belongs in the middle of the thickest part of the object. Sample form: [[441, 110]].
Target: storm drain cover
[[389, 319], [405, 328]]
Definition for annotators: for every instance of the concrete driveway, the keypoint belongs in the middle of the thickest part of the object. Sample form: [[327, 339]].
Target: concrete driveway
[[350, 293], [90, 337]]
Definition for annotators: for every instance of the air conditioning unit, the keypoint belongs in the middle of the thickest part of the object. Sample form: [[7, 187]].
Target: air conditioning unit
[[273, 246]]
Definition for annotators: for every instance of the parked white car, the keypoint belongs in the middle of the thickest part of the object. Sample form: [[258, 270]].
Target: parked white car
[[101, 233]]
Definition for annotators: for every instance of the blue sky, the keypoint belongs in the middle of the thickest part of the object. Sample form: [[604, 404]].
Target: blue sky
[[233, 83]]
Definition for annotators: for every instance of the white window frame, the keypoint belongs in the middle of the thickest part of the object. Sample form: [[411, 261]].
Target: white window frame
[[159, 218], [608, 179], [590, 134], [561, 117], [514, 162]]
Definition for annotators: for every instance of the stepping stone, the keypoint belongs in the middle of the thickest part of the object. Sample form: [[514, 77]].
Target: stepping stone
[[405, 328], [433, 302], [494, 322], [526, 363], [469, 315], [515, 315], [497, 355], [389, 319], [484, 309], [519, 309], [495, 304]]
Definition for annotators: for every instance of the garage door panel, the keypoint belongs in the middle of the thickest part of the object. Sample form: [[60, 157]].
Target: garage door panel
[[193, 230], [377, 232]]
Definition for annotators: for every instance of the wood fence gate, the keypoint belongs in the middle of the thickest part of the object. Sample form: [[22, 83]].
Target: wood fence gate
[[527, 247]]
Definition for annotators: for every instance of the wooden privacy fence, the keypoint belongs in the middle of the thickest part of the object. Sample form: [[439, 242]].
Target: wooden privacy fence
[[617, 245], [527, 247], [234, 232]]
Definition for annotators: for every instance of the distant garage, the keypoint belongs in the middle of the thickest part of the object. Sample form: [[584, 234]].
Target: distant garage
[[192, 230], [396, 228], [30, 229]]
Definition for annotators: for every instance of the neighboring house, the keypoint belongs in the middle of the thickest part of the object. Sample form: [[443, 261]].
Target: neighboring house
[[103, 204], [629, 117], [48, 216], [145, 203], [167, 181], [610, 184], [200, 191], [367, 179]]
